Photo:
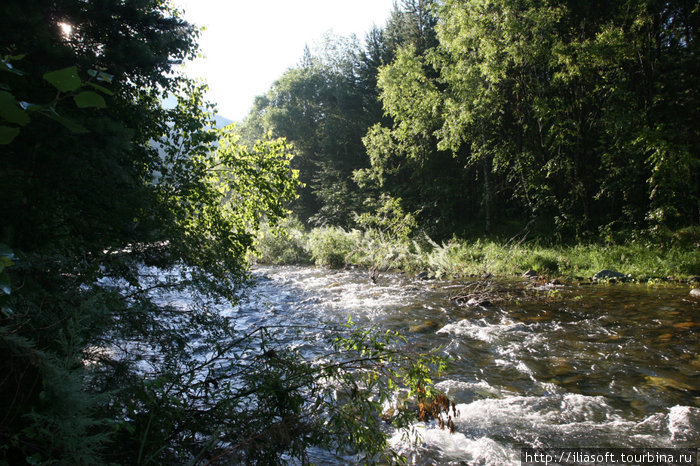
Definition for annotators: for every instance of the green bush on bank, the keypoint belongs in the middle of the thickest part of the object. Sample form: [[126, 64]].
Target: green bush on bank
[[333, 247], [336, 248], [283, 244]]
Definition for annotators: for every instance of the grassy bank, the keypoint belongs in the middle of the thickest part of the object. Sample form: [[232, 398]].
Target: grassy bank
[[336, 248]]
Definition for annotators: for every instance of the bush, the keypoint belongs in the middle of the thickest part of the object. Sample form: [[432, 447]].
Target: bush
[[332, 246], [283, 244]]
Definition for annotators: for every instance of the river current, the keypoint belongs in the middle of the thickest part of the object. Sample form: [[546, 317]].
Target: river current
[[535, 365]]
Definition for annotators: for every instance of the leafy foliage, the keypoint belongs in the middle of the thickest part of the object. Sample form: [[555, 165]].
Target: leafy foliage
[[128, 225], [326, 105], [561, 119], [554, 108], [332, 246]]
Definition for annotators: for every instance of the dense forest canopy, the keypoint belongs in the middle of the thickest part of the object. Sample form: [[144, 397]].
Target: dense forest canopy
[[494, 117]]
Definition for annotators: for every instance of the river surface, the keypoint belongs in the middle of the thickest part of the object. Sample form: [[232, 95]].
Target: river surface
[[538, 366]]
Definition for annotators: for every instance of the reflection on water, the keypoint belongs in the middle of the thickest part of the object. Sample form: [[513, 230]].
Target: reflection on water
[[604, 366]]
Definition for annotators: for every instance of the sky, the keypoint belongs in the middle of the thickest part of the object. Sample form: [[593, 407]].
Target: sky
[[248, 44]]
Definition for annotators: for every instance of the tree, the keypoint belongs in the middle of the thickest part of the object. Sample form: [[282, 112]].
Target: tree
[[110, 204], [555, 109], [88, 197], [321, 109]]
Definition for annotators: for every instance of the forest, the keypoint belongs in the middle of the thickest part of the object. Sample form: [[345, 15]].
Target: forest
[[575, 121], [556, 121]]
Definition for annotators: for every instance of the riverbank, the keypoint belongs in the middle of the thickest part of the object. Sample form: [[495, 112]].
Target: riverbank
[[334, 247]]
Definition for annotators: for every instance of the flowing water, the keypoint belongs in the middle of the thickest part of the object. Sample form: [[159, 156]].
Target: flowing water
[[540, 365]]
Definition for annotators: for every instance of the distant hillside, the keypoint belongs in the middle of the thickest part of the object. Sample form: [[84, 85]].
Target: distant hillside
[[170, 102], [222, 121]]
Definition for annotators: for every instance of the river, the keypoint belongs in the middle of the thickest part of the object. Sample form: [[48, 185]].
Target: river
[[540, 365]]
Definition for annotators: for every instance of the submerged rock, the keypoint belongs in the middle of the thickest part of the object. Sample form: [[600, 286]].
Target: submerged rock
[[423, 327], [423, 275], [667, 382], [695, 292]]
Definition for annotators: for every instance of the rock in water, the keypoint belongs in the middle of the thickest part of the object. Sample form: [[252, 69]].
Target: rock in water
[[423, 327], [695, 292], [474, 302], [609, 274], [530, 274]]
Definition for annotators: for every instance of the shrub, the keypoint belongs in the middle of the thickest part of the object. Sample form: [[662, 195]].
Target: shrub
[[332, 246], [283, 244]]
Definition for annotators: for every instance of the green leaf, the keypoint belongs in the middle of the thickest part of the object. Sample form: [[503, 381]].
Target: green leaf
[[90, 99], [8, 134], [65, 80], [6, 252], [10, 111], [101, 88], [70, 124], [33, 107]]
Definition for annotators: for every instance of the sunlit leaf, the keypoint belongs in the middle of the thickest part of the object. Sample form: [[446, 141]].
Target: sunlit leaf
[[8, 134], [65, 80], [89, 99]]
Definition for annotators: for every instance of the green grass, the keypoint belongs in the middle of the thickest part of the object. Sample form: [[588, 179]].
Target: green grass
[[336, 248]]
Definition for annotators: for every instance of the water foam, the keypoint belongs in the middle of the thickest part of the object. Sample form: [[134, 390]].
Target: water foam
[[480, 329], [491, 431], [683, 423], [439, 446]]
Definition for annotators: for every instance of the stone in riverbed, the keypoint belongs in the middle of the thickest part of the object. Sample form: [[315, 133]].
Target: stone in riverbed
[[426, 326], [474, 302], [695, 292], [667, 382]]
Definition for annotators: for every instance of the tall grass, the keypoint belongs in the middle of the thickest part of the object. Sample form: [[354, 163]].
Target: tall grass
[[336, 248]]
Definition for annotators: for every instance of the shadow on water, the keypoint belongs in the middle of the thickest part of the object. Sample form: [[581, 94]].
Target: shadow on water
[[536, 365]]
